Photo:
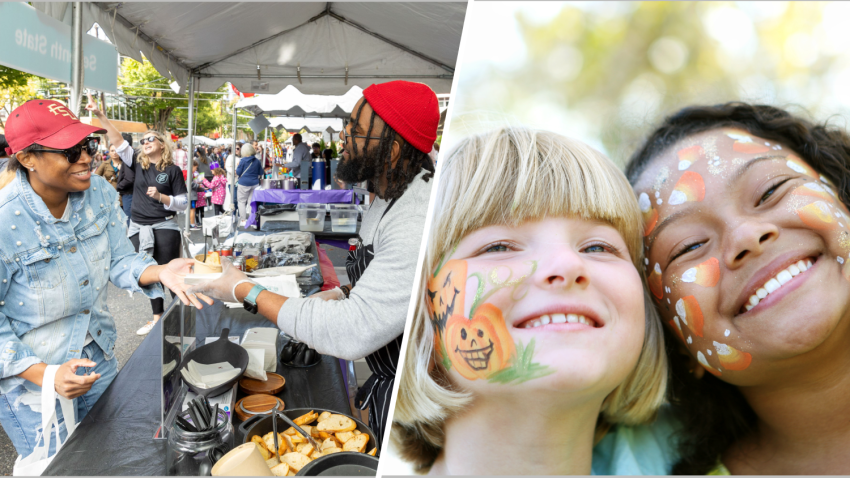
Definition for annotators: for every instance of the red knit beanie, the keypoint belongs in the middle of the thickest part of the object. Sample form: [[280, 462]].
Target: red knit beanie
[[411, 109]]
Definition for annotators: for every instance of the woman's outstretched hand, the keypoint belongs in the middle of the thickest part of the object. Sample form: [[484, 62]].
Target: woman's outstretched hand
[[223, 288], [173, 276]]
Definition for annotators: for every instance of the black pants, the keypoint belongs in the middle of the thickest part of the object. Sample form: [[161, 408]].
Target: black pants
[[199, 216], [219, 209], [165, 249]]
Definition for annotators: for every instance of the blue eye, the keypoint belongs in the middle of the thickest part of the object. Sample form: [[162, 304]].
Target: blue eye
[[594, 248], [497, 248]]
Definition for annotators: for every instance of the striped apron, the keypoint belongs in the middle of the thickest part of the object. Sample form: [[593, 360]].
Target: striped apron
[[375, 393]]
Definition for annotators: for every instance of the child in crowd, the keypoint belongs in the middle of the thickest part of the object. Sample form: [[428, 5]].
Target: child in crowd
[[219, 189]]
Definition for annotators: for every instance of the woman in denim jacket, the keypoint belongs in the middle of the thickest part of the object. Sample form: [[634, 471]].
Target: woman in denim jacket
[[63, 237]]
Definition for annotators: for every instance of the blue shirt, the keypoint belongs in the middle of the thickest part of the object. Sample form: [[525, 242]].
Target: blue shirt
[[648, 449], [54, 274], [249, 171]]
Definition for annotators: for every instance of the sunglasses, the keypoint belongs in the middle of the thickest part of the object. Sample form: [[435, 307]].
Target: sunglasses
[[74, 153], [150, 139]]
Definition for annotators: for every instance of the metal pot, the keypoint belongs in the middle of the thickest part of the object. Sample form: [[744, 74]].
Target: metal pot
[[288, 183], [271, 184]]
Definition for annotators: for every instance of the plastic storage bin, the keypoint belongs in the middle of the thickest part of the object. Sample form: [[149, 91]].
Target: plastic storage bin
[[344, 218], [311, 217]]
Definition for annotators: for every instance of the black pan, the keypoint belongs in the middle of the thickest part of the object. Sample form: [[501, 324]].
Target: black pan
[[259, 425], [346, 463], [222, 350]]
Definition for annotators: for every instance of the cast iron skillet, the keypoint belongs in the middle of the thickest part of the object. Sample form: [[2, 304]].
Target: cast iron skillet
[[344, 461], [222, 350]]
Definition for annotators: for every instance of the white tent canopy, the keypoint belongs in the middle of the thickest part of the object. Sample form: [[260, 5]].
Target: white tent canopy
[[262, 47], [202, 140], [291, 102], [312, 125]]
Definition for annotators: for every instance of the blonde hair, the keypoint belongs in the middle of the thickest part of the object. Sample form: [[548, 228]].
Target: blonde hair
[[166, 158], [511, 176]]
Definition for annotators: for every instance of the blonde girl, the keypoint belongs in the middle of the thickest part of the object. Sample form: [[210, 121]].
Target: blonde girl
[[531, 337]]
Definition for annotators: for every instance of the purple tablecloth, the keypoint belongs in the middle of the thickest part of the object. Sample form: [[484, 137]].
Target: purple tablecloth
[[296, 196]]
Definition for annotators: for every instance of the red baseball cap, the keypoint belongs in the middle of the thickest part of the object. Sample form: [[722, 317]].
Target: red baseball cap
[[46, 122], [411, 109]]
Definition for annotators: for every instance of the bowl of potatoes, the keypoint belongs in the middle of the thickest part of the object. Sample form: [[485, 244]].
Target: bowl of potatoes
[[340, 444]]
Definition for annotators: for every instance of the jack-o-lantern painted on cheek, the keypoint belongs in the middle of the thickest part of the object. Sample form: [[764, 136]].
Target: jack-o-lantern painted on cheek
[[480, 346], [446, 292]]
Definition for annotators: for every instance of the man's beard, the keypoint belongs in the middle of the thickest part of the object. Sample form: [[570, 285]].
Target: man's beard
[[361, 168]]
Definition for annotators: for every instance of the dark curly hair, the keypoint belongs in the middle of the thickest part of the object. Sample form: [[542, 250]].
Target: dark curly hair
[[714, 414], [411, 161]]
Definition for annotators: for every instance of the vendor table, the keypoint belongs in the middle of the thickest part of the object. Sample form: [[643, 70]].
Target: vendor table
[[116, 437], [296, 196]]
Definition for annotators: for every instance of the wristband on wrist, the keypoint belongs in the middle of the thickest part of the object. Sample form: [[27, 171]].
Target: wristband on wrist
[[233, 292]]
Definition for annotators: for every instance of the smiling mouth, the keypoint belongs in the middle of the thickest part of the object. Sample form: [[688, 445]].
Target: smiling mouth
[[547, 319], [80, 173], [477, 359], [776, 282]]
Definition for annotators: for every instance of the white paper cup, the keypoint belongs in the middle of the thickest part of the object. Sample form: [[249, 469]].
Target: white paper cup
[[244, 460]]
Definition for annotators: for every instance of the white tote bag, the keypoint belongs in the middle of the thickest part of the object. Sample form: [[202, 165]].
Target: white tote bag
[[36, 463]]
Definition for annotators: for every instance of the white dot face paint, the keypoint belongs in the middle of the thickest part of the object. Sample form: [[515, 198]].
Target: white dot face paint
[[646, 261], [702, 360], [657, 268], [690, 275], [840, 260], [677, 197], [680, 309], [709, 351], [726, 334], [684, 164], [659, 201], [644, 203], [657, 194], [796, 167], [722, 349], [690, 340]]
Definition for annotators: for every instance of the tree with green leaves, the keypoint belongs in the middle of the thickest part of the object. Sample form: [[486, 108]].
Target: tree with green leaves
[[164, 109]]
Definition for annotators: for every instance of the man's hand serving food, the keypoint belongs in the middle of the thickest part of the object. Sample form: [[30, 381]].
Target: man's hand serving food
[[223, 288]]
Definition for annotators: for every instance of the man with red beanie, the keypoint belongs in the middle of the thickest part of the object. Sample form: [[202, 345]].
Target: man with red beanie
[[386, 142]]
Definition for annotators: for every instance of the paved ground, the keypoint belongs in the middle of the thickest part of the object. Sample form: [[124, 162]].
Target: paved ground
[[130, 314]]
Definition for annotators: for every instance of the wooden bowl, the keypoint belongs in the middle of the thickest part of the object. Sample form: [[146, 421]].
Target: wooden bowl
[[272, 386], [204, 268], [260, 403]]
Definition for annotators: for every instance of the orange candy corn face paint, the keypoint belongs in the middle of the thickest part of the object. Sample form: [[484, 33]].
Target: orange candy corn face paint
[[689, 312], [690, 155], [690, 187], [817, 215], [650, 214], [732, 358], [706, 274]]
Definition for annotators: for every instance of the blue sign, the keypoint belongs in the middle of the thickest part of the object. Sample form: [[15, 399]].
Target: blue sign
[[36, 43]]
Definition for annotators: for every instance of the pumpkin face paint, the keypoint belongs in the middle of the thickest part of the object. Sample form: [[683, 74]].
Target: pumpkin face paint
[[749, 256], [480, 346], [538, 307]]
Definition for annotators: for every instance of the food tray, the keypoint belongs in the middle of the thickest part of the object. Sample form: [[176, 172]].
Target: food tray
[[309, 284]]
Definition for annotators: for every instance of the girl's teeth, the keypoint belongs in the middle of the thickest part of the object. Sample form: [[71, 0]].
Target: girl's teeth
[[778, 281], [557, 319], [772, 286]]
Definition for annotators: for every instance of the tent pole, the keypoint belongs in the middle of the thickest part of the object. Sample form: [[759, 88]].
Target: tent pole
[[189, 164], [76, 58], [231, 175]]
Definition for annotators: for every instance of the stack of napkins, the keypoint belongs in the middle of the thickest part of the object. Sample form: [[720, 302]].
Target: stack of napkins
[[209, 375], [265, 339]]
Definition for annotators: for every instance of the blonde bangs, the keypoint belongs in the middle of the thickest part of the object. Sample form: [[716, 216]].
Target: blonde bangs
[[516, 175]]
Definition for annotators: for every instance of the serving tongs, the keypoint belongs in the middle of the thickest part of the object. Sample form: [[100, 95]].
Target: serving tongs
[[277, 413]]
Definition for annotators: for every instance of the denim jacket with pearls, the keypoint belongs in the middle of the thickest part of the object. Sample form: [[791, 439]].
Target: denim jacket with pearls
[[54, 274]]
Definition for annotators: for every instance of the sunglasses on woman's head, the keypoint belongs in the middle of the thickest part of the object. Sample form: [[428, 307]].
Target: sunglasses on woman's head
[[74, 153], [150, 139]]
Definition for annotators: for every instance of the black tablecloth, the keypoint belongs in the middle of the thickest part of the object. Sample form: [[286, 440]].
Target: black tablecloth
[[116, 437]]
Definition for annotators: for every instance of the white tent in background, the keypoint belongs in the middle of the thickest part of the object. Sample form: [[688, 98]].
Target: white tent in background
[[312, 125], [224, 142], [291, 102], [322, 47], [202, 140]]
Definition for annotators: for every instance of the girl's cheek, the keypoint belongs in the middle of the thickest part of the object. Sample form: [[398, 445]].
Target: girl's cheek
[[816, 206], [687, 294]]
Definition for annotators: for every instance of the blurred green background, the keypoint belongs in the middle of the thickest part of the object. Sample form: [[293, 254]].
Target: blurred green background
[[607, 72]]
